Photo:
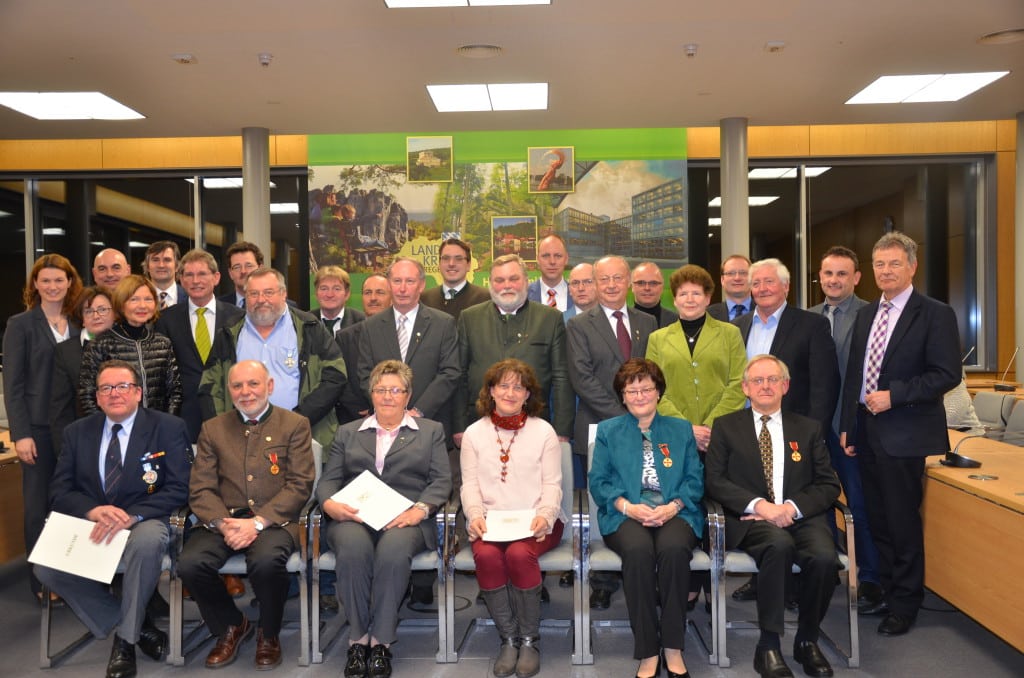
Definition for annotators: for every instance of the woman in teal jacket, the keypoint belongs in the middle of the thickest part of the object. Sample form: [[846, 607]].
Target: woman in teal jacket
[[647, 482]]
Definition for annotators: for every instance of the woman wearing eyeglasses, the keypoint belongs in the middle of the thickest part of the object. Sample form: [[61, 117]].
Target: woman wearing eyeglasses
[[511, 460], [50, 293], [648, 482], [132, 338], [408, 454]]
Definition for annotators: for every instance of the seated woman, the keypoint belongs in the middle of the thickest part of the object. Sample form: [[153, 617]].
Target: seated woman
[[408, 454], [511, 460], [648, 481]]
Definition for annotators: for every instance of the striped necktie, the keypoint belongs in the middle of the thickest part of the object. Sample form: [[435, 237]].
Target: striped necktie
[[112, 464]]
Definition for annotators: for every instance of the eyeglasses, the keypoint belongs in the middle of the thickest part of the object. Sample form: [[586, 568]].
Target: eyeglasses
[[617, 279], [452, 259], [124, 388], [394, 391], [518, 389], [244, 267], [98, 311], [774, 380], [647, 283], [581, 283], [265, 294], [735, 274], [638, 392]]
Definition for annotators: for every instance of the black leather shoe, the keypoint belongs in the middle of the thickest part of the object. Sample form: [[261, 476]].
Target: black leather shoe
[[157, 607], [355, 665], [895, 624], [152, 641], [746, 592], [877, 609], [769, 663], [809, 655], [871, 599], [328, 603], [421, 595], [379, 665], [600, 599], [565, 581], [122, 659]]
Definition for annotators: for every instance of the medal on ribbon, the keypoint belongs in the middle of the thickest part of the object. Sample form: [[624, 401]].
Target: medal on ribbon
[[274, 468], [667, 461], [796, 451]]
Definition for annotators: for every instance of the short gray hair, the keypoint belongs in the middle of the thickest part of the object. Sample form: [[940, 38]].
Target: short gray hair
[[780, 269], [900, 240]]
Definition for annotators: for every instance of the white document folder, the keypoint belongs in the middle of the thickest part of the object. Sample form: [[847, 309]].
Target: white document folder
[[376, 502], [509, 525], [65, 545]]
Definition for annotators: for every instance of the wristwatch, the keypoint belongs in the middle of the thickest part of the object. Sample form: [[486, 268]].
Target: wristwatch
[[258, 524], [423, 507]]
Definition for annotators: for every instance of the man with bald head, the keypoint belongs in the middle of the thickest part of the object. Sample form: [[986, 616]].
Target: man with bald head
[[582, 291], [648, 285], [109, 268]]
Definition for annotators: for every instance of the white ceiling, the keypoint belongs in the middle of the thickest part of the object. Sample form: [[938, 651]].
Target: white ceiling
[[352, 66]]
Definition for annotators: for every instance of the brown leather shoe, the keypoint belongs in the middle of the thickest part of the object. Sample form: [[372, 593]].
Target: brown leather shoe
[[268, 652], [226, 649], [234, 585]]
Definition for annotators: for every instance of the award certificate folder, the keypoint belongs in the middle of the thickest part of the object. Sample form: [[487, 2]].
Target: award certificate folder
[[64, 545], [377, 503], [509, 525]]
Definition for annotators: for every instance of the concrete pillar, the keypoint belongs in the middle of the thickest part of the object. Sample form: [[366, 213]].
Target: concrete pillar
[[256, 188], [735, 188]]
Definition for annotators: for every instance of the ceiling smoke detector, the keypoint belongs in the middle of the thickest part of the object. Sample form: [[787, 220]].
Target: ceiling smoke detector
[[479, 51], [184, 58], [774, 46]]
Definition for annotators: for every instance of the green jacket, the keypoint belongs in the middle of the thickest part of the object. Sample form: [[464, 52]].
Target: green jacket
[[321, 369]]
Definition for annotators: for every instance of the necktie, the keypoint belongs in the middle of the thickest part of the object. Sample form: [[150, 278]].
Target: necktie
[[738, 310], [876, 349], [241, 302], [451, 293], [202, 335], [403, 336], [552, 301], [830, 312], [163, 300], [112, 464], [764, 442], [252, 422], [622, 336], [329, 324]]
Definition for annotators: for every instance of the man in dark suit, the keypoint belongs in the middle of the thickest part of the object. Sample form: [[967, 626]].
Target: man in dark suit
[[736, 299], [582, 291], [597, 347], [353, 403], [191, 326], [551, 289], [770, 471], [162, 265], [838, 277], [144, 454], [456, 294], [904, 355], [648, 286], [333, 287]]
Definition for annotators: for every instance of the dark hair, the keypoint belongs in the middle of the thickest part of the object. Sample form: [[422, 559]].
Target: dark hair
[[457, 242], [840, 251], [692, 273], [115, 364], [31, 295], [85, 299], [533, 405], [243, 246], [636, 369], [158, 247]]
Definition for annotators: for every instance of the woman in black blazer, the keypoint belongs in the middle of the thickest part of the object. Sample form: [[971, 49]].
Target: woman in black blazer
[[50, 294]]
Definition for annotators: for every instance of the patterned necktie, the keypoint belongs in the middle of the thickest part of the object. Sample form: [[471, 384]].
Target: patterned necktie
[[403, 336], [202, 335], [552, 301], [112, 464], [622, 335], [738, 310], [163, 300], [764, 442], [876, 349]]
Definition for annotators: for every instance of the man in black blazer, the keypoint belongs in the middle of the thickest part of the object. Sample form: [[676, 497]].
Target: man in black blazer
[[333, 287], [736, 300], [904, 355], [353, 403], [145, 457], [648, 284], [457, 293], [771, 472], [180, 322]]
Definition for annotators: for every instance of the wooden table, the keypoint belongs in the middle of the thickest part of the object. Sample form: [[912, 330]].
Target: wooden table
[[12, 526], [974, 535]]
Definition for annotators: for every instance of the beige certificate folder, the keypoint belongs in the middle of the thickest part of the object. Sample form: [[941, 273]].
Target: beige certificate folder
[[376, 502], [65, 545]]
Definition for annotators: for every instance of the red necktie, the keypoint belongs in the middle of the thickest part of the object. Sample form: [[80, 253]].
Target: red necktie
[[622, 335], [552, 302]]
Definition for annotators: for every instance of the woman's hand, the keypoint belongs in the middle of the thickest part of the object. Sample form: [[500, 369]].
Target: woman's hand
[[340, 511], [641, 513], [539, 526], [661, 515], [476, 528], [26, 449], [407, 518], [703, 436]]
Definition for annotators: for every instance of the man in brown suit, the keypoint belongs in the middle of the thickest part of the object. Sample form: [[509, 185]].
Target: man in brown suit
[[252, 475]]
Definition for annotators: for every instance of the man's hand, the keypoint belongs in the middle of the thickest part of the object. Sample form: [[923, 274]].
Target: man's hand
[[878, 402], [407, 518], [848, 450], [780, 515], [340, 511], [26, 449], [109, 521], [703, 436], [238, 532], [457, 439]]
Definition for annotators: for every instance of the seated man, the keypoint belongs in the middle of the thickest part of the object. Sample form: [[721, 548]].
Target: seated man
[[771, 472], [253, 474], [144, 454]]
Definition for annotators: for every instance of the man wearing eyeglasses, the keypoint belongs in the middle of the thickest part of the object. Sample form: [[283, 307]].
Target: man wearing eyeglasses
[[301, 355], [456, 294], [123, 468], [770, 470], [243, 258], [582, 290], [736, 300], [648, 284]]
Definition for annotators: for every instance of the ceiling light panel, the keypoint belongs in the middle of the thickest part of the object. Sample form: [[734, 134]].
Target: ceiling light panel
[[403, 4], [68, 106], [935, 87], [453, 98], [525, 96]]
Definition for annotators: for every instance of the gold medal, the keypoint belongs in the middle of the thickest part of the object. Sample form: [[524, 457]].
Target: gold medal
[[796, 456], [795, 446], [274, 469], [667, 462], [149, 477]]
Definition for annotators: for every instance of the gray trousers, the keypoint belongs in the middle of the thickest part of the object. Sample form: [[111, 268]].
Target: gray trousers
[[373, 574], [99, 609]]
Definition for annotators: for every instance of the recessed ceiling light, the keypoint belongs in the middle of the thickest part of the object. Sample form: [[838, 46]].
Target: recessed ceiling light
[[136, 245], [402, 4], [284, 208], [223, 182], [68, 106], [714, 221], [752, 200], [784, 172], [528, 96], [53, 230], [936, 87]]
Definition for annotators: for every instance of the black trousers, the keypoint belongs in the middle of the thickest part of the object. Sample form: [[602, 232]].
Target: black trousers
[[893, 492], [35, 491], [265, 560], [809, 544], [655, 573]]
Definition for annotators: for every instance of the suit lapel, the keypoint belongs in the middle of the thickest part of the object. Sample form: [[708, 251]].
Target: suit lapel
[[639, 345], [599, 321], [907, 317], [89, 453], [707, 341], [44, 325], [785, 325], [418, 331], [677, 342]]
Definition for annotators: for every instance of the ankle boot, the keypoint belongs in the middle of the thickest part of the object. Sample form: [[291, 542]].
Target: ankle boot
[[526, 605], [500, 608]]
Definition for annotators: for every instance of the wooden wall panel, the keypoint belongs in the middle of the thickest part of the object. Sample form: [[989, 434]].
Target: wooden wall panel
[[177, 153], [289, 149], [903, 139], [42, 155]]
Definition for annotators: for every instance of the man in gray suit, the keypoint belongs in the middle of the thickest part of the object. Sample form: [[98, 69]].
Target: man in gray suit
[[839, 275]]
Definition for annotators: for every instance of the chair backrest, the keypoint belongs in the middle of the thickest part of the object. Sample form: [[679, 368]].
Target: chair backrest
[[318, 462], [994, 409], [1014, 433], [595, 533], [568, 491]]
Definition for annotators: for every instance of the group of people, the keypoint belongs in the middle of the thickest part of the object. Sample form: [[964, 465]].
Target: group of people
[[472, 391]]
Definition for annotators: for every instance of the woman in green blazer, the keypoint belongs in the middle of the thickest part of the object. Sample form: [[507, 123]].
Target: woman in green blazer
[[703, 358]]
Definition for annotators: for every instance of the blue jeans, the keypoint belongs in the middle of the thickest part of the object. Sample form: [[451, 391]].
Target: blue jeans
[[849, 475]]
